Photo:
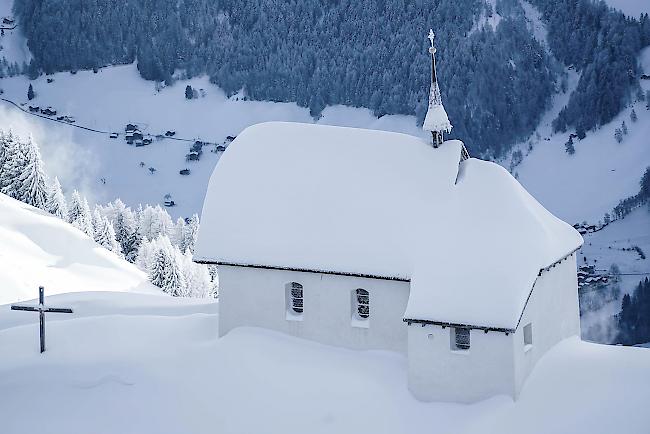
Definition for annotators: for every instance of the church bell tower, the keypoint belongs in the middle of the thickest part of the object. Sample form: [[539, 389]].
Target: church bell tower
[[436, 120]]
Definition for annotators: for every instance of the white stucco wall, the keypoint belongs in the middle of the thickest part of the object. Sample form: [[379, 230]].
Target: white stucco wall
[[437, 373], [553, 312], [496, 363], [256, 297]]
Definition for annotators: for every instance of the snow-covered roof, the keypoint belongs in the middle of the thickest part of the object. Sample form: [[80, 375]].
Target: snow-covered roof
[[382, 204]]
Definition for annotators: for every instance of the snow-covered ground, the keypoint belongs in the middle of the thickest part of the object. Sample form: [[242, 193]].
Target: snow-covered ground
[[140, 364], [631, 8], [39, 249], [115, 96], [586, 185]]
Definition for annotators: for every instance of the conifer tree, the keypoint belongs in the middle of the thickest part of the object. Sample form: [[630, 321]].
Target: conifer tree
[[79, 214], [197, 277], [159, 265], [624, 128], [190, 232], [74, 210], [633, 116], [33, 187], [13, 168], [105, 234], [56, 203], [570, 149], [4, 150], [618, 135], [126, 234], [30, 92]]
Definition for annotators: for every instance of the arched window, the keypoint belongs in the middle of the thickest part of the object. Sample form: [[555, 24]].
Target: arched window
[[362, 304], [295, 299]]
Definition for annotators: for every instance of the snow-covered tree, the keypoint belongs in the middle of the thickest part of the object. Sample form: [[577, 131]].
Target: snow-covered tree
[[624, 128], [166, 267], [618, 135], [158, 268], [126, 228], [570, 149], [56, 203], [178, 234], [633, 116], [197, 278], [79, 214], [155, 221], [33, 186], [190, 232], [74, 210], [4, 149], [15, 160], [105, 234]]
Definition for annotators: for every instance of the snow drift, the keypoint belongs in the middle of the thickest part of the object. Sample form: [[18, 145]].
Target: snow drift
[[38, 249], [131, 363]]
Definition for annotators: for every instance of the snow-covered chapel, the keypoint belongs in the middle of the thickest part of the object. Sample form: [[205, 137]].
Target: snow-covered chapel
[[376, 240]]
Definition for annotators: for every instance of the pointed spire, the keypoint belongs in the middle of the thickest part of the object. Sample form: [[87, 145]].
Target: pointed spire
[[436, 121]]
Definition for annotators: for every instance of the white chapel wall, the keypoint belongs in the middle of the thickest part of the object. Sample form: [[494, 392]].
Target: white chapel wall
[[438, 373], [256, 297], [553, 314]]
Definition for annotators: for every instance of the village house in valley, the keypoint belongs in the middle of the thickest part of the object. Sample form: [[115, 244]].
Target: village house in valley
[[375, 240]]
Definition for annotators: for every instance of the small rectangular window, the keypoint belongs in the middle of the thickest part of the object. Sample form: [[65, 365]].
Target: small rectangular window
[[460, 339], [528, 335]]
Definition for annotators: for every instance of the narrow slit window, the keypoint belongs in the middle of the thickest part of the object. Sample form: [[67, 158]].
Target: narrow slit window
[[528, 335], [460, 338], [362, 304]]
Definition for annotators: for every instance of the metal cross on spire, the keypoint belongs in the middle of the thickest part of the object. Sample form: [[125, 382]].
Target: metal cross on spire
[[42, 309], [431, 36]]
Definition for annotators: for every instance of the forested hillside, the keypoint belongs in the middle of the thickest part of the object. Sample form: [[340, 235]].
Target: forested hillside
[[497, 79]]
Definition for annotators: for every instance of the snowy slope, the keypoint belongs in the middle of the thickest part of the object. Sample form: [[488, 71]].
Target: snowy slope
[[115, 96], [590, 183], [13, 43], [163, 371], [37, 249]]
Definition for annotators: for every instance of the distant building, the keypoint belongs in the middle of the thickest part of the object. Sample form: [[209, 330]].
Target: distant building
[[49, 111], [193, 156]]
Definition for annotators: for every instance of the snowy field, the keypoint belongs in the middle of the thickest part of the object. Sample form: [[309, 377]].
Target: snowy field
[[37, 248], [129, 363]]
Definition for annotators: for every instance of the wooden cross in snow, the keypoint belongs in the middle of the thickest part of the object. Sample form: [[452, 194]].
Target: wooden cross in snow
[[41, 309]]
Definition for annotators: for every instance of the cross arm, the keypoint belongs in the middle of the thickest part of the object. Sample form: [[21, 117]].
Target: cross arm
[[58, 310], [29, 308]]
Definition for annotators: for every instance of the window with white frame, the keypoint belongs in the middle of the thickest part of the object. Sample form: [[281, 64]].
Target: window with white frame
[[460, 339], [528, 335], [295, 299], [361, 304]]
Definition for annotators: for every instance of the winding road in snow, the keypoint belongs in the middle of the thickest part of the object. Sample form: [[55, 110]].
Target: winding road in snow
[[16, 105]]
